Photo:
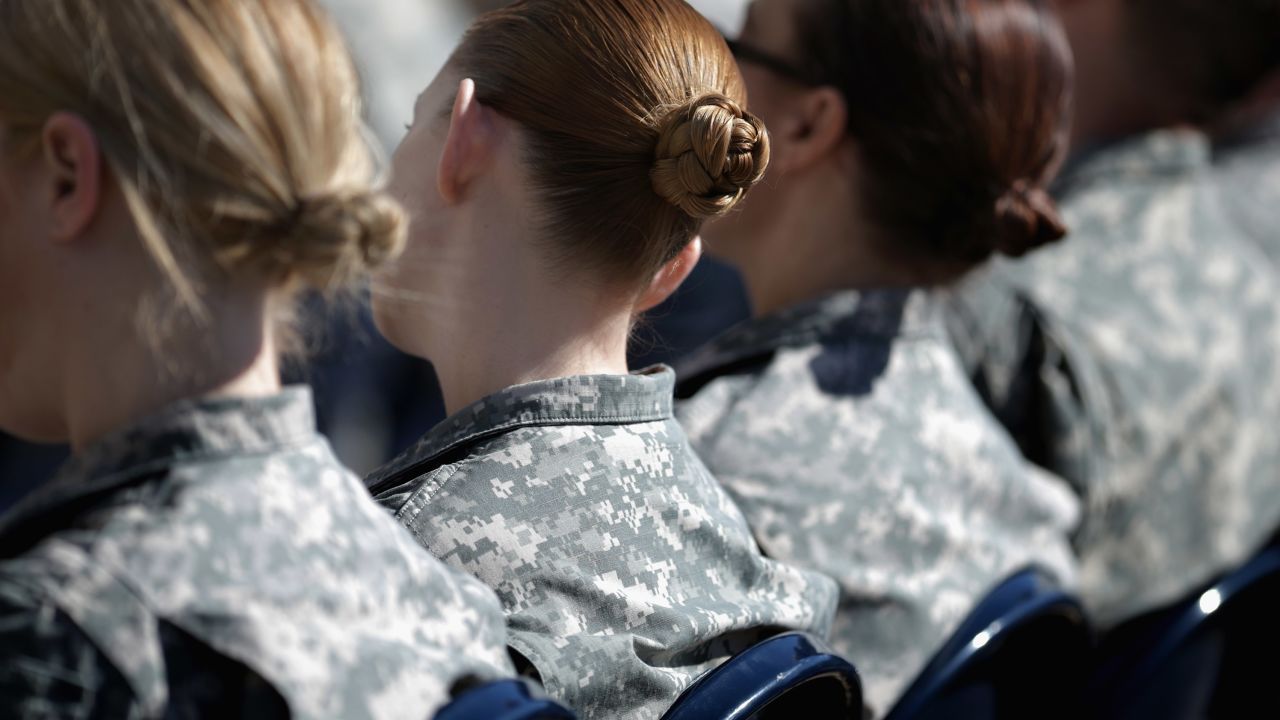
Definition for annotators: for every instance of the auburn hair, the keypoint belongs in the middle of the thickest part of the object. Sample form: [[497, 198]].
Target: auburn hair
[[635, 123]]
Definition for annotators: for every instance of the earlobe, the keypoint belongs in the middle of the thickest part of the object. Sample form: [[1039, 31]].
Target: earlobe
[[73, 163], [671, 276]]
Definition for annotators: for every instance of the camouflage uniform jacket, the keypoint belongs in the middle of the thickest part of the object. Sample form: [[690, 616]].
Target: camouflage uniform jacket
[[625, 570], [216, 561], [846, 430], [1145, 351], [1248, 178]]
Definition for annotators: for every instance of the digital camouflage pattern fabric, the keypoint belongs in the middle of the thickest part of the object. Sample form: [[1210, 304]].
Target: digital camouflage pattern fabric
[[848, 433], [624, 569], [1151, 371], [217, 561], [1247, 171]]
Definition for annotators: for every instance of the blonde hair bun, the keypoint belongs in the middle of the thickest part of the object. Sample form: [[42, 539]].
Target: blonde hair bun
[[326, 239], [710, 152]]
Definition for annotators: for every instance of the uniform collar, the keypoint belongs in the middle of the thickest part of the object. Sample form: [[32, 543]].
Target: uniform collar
[[197, 430], [846, 315], [580, 400]]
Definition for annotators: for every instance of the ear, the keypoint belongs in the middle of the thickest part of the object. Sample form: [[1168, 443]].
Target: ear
[[72, 164], [815, 127], [670, 277], [469, 146]]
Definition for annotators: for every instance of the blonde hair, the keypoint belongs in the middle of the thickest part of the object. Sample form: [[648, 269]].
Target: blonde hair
[[231, 126]]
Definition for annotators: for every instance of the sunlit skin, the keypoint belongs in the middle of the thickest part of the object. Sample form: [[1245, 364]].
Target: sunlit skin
[[475, 292], [79, 358]]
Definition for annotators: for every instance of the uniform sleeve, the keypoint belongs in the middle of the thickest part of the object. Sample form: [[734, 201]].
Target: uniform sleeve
[[1023, 373], [50, 669]]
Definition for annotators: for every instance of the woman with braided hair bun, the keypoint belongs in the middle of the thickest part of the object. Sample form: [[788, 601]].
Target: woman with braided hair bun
[[556, 174]]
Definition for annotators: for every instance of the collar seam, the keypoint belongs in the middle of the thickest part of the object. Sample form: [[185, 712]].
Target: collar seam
[[384, 482], [105, 481]]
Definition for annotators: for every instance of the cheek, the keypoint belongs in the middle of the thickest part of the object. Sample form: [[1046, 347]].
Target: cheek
[[414, 185], [26, 375], [30, 337], [734, 237], [11, 266], [413, 173], [758, 87], [396, 286]]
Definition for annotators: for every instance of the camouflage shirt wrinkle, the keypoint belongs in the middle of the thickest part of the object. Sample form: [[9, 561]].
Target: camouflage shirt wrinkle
[[217, 559], [1159, 393], [625, 570], [847, 431]]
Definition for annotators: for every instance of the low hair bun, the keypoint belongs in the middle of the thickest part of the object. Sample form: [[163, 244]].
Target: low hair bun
[[326, 239], [339, 234], [1026, 218], [710, 152]]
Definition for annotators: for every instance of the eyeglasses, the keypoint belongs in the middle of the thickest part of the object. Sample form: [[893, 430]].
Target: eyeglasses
[[749, 53]]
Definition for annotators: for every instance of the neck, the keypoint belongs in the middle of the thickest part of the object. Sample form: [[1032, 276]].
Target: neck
[[544, 334], [1115, 97], [1117, 113], [817, 244], [231, 353]]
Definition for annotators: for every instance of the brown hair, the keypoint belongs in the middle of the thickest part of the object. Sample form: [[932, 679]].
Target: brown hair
[[960, 111], [232, 127], [1209, 52], [634, 119]]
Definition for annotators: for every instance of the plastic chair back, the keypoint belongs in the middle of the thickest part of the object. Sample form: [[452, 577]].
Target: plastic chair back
[[785, 677], [1023, 652]]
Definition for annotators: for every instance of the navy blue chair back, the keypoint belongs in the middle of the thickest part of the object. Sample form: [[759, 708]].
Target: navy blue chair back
[[1023, 652], [1211, 656], [787, 676], [503, 700]]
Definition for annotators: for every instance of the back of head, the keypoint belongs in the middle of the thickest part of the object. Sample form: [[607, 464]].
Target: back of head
[[231, 127], [960, 113], [1208, 54], [634, 120]]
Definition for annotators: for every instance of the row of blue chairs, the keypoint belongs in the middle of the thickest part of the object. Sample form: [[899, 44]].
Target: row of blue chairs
[[1026, 651]]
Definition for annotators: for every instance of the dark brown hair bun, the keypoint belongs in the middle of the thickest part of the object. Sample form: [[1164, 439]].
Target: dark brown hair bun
[[1026, 218]]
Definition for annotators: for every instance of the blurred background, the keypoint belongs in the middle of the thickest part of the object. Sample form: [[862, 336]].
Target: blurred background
[[371, 400]]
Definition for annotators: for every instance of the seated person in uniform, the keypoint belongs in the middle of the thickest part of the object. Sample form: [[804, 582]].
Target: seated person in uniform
[[1141, 360], [557, 173], [171, 173], [912, 141]]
